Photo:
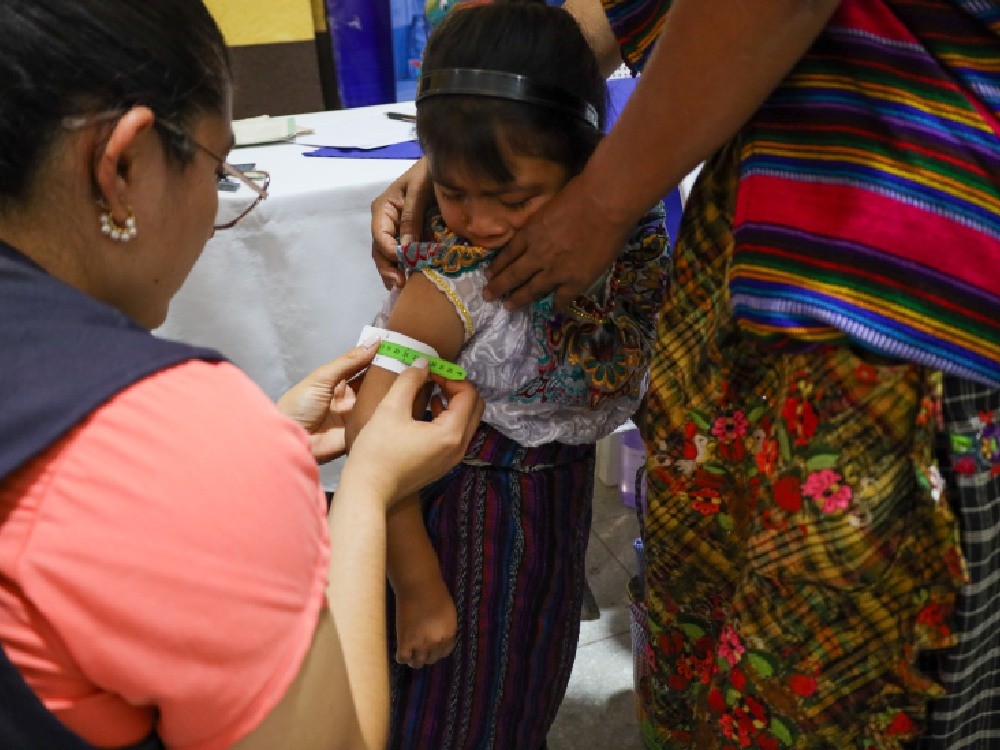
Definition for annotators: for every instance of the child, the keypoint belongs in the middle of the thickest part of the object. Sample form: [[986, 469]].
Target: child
[[497, 547]]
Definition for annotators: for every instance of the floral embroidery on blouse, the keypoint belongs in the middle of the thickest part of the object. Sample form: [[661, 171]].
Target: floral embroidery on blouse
[[599, 349]]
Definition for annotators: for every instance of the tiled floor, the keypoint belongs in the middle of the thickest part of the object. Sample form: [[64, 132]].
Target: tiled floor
[[598, 712]]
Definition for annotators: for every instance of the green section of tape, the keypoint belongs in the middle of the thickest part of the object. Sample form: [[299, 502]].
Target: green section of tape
[[407, 356]]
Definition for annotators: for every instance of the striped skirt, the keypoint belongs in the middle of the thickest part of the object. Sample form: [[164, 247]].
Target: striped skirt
[[510, 526]]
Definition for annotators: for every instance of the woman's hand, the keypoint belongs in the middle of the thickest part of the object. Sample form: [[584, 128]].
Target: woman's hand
[[562, 249], [321, 401], [398, 212], [395, 455]]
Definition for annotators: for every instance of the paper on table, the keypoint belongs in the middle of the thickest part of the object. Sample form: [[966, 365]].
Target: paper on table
[[364, 127], [263, 129]]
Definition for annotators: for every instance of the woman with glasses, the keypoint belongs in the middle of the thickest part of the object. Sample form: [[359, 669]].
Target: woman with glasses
[[168, 574]]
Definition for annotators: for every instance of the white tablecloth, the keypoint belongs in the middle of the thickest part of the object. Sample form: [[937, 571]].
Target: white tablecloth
[[291, 286]]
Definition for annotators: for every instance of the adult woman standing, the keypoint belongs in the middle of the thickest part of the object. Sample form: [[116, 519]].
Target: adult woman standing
[[167, 571], [799, 555]]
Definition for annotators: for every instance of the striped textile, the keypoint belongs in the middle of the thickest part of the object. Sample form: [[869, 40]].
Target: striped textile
[[636, 25], [510, 526], [869, 201], [968, 718], [796, 560]]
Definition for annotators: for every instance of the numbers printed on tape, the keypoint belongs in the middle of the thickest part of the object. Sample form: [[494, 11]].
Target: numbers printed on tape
[[407, 356]]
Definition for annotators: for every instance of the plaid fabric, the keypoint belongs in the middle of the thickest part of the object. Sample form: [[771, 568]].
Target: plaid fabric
[[968, 718], [510, 526], [796, 561]]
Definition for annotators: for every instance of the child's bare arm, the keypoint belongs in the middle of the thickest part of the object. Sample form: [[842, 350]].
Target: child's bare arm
[[424, 313]]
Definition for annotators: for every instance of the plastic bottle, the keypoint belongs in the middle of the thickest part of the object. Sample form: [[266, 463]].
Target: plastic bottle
[[633, 458]]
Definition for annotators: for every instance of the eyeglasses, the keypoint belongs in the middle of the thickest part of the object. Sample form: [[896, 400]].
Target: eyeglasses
[[231, 211]]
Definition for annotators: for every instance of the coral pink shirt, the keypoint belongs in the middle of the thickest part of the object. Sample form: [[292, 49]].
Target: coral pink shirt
[[165, 563]]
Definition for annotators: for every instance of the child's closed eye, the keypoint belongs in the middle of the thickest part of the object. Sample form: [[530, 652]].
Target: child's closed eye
[[516, 205]]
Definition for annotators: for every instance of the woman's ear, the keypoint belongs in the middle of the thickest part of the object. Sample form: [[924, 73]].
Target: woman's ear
[[113, 170]]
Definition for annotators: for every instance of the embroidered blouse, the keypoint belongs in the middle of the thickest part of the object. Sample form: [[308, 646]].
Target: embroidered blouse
[[553, 377]]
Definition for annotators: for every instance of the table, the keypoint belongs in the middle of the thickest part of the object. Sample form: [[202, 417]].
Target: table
[[292, 285]]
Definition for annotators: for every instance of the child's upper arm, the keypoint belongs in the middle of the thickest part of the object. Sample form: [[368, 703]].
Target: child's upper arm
[[422, 312]]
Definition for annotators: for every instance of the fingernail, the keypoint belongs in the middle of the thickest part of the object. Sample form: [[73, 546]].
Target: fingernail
[[370, 342], [420, 362]]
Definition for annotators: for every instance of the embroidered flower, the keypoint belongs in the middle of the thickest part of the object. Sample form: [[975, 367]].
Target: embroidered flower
[[802, 685], [608, 374], [728, 429], [801, 420], [706, 507], [865, 373], [902, 724], [767, 456], [825, 488], [931, 614], [738, 679], [730, 647], [788, 493]]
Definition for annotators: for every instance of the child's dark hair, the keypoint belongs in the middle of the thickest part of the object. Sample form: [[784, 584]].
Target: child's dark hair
[[524, 37]]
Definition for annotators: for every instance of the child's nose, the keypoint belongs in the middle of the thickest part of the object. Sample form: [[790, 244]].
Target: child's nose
[[483, 221]]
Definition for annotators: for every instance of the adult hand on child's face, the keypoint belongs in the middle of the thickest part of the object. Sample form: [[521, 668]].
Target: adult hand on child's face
[[563, 249], [399, 212], [398, 454], [322, 400]]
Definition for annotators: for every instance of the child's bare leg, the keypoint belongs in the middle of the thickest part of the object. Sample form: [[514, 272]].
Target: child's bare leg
[[426, 619]]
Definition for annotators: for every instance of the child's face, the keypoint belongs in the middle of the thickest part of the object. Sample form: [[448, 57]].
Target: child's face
[[487, 213]]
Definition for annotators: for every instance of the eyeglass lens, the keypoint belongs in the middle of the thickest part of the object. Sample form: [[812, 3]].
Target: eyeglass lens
[[237, 199]]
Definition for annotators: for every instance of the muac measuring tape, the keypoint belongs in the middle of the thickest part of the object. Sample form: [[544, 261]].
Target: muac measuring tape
[[397, 352], [407, 356]]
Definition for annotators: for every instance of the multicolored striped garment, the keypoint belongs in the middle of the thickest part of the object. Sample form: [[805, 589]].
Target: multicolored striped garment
[[868, 209], [798, 556], [510, 525]]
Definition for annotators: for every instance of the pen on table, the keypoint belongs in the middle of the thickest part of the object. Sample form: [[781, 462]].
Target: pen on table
[[403, 116]]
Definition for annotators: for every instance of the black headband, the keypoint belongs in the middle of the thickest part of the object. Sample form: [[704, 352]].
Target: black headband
[[503, 85]]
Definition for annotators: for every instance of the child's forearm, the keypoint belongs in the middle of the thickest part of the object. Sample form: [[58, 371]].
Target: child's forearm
[[410, 556]]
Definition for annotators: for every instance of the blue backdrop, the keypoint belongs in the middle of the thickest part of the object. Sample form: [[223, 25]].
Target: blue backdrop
[[377, 47]]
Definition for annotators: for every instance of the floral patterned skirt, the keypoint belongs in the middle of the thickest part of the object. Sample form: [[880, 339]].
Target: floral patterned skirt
[[798, 552]]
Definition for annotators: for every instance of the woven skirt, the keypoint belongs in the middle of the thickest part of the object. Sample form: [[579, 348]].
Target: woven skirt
[[510, 526]]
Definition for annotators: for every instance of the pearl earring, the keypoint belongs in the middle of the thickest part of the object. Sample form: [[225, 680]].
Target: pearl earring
[[111, 228]]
